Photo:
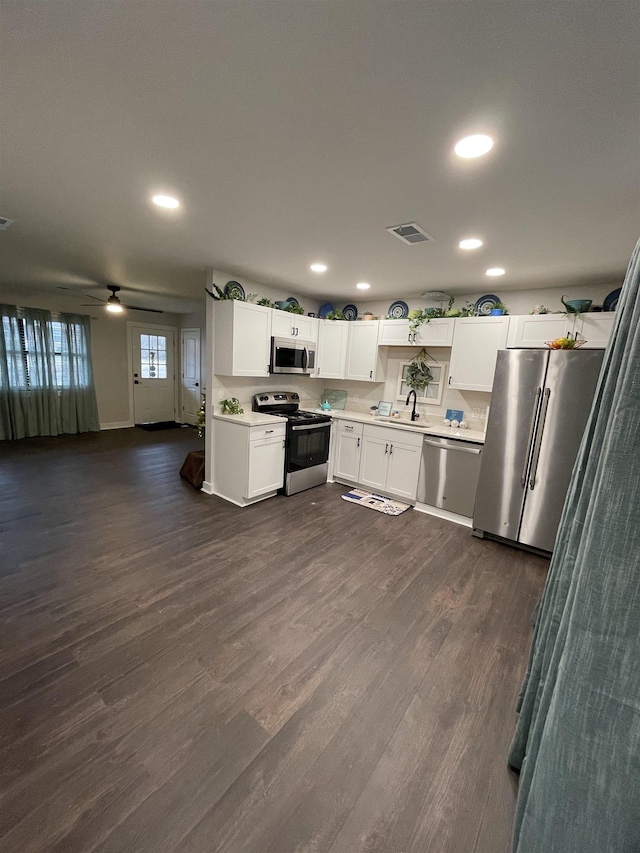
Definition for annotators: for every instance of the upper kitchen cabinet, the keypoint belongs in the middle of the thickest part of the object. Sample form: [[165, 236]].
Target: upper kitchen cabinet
[[476, 341], [435, 333], [331, 359], [364, 362], [241, 338], [286, 325], [534, 330]]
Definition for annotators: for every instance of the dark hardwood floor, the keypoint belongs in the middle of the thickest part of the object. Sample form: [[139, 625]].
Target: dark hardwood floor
[[301, 676]]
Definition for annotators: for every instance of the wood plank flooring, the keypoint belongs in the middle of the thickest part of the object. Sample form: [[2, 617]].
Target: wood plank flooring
[[301, 676]]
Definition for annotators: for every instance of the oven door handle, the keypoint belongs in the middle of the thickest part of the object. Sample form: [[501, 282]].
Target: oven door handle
[[311, 426]]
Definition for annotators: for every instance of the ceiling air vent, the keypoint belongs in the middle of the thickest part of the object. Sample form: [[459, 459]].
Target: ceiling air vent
[[411, 233], [5, 223]]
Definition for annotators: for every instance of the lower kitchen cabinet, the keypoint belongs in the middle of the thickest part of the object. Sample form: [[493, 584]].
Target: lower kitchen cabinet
[[348, 439], [476, 341], [390, 461], [248, 461]]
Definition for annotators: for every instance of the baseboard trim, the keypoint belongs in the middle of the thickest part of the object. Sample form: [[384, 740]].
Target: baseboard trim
[[118, 425], [445, 514]]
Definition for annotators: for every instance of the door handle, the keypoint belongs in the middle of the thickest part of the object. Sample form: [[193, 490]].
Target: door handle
[[197, 384], [386, 448], [371, 374], [527, 455], [358, 444], [268, 431], [391, 451], [536, 452], [452, 446], [135, 382]]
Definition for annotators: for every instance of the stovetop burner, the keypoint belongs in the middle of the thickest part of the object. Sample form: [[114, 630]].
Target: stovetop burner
[[286, 404]]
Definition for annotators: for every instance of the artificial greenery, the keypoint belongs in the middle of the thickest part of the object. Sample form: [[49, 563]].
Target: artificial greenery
[[419, 374], [221, 295], [266, 303], [501, 305], [200, 418], [335, 315], [293, 308], [231, 406]]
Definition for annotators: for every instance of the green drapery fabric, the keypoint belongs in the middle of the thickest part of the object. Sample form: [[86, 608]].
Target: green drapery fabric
[[577, 741], [46, 377]]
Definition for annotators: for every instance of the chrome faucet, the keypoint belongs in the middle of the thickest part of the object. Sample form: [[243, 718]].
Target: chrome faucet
[[414, 415]]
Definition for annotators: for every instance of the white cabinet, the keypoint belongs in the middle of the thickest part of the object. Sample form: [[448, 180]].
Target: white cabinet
[[435, 333], [596, 329], [390, 461], [286, 325], [476, 341], [363, 359], [535, 330], [348, 446], [332, 349], [248, 461], [241, 338]]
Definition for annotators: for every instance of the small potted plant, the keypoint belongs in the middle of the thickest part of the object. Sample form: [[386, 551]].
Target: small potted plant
[[498, 309]]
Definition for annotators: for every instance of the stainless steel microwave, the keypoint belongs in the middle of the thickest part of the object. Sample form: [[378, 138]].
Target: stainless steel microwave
[[289, 356]]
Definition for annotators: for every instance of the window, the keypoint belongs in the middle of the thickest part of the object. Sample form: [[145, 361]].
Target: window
[[432, 394], [153, 356]]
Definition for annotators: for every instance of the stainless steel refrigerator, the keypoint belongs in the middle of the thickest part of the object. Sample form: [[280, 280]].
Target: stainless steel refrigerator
[[540, 403]]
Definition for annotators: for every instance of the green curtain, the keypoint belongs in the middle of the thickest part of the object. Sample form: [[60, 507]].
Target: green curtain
[[46, 377], [577, 741]]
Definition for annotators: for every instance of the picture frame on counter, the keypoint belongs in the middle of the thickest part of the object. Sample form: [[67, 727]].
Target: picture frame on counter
[[432, 394], [384, 409]]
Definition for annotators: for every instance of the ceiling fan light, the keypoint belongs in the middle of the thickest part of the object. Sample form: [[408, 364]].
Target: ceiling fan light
[[114, 305]]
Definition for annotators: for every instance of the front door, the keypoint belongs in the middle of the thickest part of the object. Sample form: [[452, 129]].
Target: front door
[[153, 353], [191, 395]]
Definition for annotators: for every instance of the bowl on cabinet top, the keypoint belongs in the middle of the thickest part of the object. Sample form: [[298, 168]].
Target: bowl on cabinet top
[[576, 306]]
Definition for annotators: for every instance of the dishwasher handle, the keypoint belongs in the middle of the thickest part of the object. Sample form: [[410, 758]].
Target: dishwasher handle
[[440, 446]]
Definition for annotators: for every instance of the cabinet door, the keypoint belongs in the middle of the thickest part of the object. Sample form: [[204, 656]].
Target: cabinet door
[[362, 350], [306, 327], [596, 329], [332, 349], [435, 333], [394, 333], [347, 464], [266, 466], [476, 341], [374, 459], [534, 330], [403, 470], [283, 324]]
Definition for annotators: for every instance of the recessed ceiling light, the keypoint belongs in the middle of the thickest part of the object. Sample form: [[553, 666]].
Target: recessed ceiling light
[[166, 201], [362, 285], [495, 271], [318, 267], [473, 146], [470, 243]]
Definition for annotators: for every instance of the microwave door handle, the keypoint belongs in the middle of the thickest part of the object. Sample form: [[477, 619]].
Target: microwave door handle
[[304, 358]]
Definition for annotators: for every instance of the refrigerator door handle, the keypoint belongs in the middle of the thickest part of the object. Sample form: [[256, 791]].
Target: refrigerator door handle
[[536, 452], [527, 455]]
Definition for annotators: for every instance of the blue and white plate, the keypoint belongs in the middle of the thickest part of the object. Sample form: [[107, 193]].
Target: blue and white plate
[[398, 310], [486, 303], [292, 300], [325, 309], [350, 312], [234, 290], [611, 302]]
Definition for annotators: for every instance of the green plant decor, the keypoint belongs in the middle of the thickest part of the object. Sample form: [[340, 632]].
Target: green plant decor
[[200, 418], [501, 305], [231, 406], [418, 373], [294, 308], [266, 303], [219, 295], [335, 315]]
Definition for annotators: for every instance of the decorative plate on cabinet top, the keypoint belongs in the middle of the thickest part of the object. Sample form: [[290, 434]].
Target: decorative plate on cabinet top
[[350, 312], [611, 302], [486, 303], [234, 290], [325, 309], [292, 300], [398, 310]]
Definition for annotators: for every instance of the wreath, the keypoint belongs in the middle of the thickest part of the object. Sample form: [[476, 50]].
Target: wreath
[[418, 373]]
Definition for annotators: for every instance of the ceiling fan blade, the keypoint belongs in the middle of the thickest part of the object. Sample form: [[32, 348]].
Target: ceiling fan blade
[[152, 310], [91, 304]]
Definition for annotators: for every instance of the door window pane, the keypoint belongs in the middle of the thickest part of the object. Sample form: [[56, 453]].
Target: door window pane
[[153, 356]]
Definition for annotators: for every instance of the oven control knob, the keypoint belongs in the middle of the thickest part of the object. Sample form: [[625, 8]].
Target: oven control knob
[[295, 396], [263, 398]]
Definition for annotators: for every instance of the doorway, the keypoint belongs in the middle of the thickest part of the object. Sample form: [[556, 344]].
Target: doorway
[[154, 383], [191, 391]]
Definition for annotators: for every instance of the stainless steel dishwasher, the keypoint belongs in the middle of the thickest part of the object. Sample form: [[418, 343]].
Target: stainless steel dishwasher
[[449, 474]]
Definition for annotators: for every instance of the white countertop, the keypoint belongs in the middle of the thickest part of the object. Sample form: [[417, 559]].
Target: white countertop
[[426, 426], [249, 418]]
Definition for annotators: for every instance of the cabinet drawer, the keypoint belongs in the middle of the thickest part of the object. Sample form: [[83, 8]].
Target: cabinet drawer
[[397, 436], [350, 427], [267, 432]]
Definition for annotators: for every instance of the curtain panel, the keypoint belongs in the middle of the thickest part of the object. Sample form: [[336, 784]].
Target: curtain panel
[[577, 741], [46, 376]]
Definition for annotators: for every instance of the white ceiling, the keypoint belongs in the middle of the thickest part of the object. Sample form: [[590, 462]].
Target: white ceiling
[[298, 131]]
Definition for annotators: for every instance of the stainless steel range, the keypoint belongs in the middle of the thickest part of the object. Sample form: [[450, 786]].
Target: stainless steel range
[[306, 461]]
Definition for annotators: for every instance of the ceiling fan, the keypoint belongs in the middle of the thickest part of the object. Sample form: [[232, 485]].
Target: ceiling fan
[[113, 303]]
